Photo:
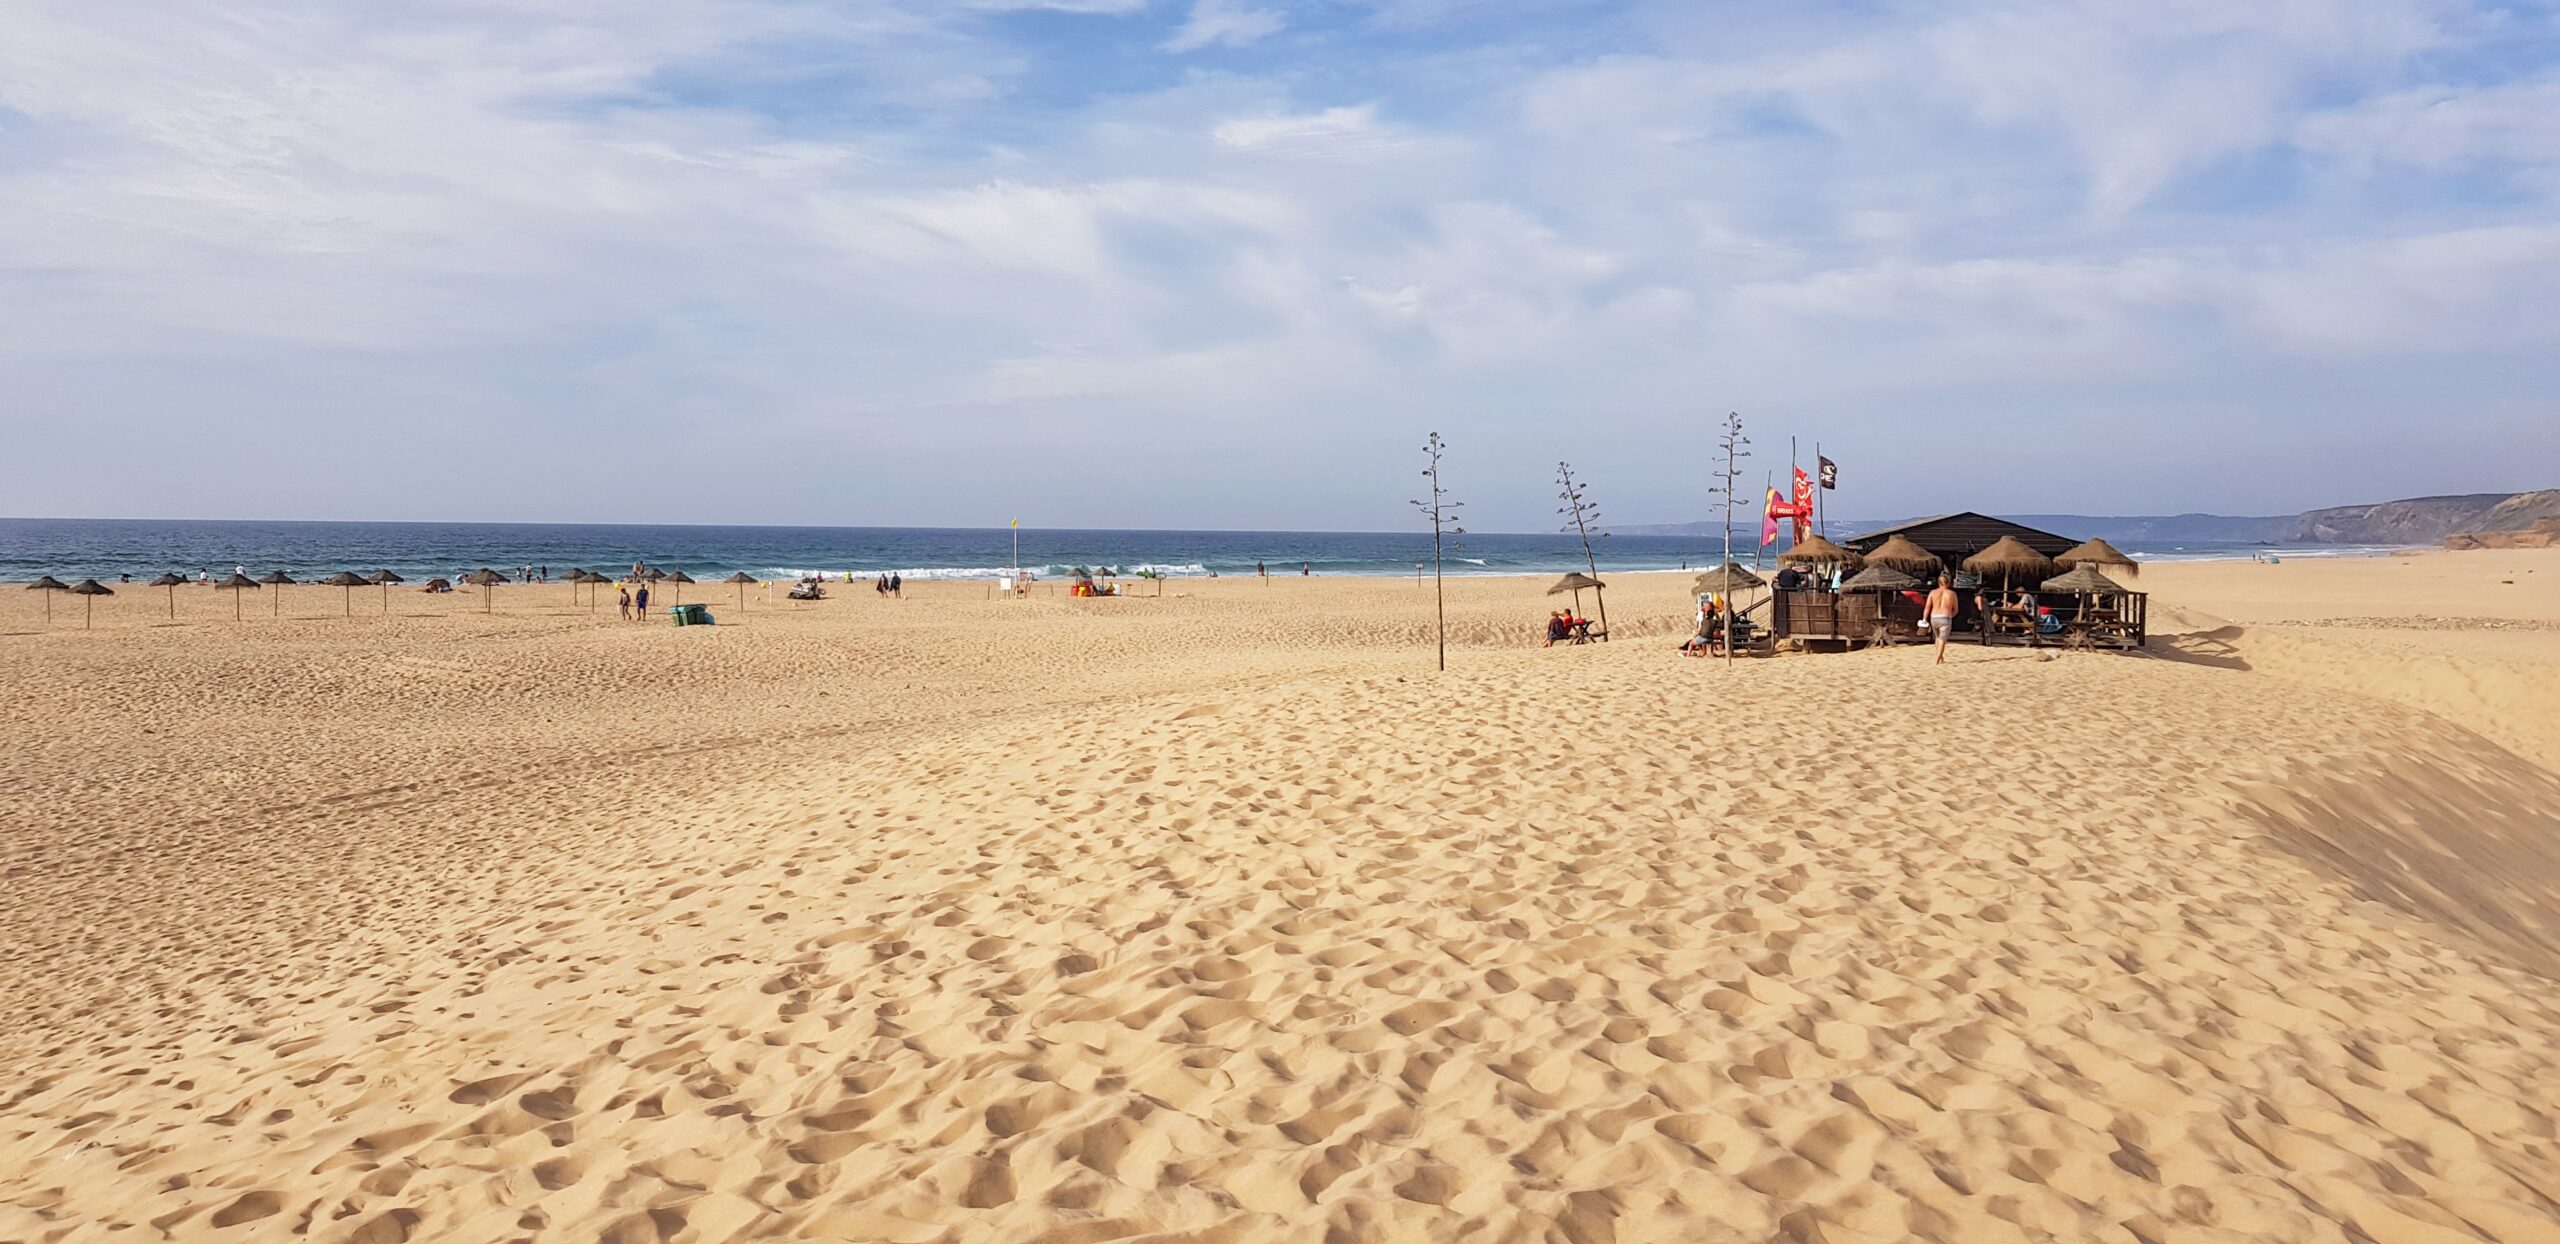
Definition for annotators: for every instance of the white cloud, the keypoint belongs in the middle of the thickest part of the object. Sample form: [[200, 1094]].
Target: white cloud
[[285, 235], [1231, 23], [1340, 131]]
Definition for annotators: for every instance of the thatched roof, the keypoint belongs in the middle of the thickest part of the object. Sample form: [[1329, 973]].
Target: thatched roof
[[237, 581], [678, 576], [1574, 582], [2009, 556], [91, 587], [170, 579], [2084, 578], [484, 577], [347, 578], [1899, 553], [1814, 550], [276, 577], [2097, 553], [384, 576], [1725, 580], [48, 584], [653, 574], [1880, 579], [740, 577]]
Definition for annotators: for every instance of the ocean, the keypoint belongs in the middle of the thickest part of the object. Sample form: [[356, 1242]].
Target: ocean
[[105, 549]]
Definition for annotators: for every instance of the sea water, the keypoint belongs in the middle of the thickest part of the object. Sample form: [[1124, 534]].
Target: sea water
[[106, 549]]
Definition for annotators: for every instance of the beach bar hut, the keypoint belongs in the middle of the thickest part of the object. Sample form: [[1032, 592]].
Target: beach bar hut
[[1817, 614]]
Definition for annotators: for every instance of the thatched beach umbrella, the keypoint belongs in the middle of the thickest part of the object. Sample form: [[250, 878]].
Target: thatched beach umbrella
[[1899, 553], [275, 578], [679, 578], [92, 589], [386, 579], [238, 583], [2098, 553], [170, 581], [2084, 580], [1574, 583], [350, 580], [1880, 579], [485, 579], [1816, 551], [48, 585], [742, 579], [2009, 558], [1725, 580]]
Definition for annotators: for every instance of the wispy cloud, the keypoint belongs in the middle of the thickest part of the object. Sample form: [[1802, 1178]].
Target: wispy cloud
[[1229, 23]]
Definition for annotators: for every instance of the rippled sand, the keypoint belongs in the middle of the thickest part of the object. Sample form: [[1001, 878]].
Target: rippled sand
[[1223, 917]]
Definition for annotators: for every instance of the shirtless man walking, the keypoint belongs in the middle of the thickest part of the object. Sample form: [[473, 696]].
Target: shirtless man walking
[[1942, 614]]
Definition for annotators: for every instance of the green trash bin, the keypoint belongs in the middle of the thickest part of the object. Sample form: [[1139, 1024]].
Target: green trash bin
[[690, 615]]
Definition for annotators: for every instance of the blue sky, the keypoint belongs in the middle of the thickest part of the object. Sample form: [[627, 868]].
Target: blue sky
[[1224, 263]]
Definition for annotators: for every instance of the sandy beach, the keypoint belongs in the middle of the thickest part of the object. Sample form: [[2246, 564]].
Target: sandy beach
[[1220, 916]]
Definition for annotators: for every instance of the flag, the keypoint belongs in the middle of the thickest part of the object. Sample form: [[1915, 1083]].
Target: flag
[[1804, 496], [1769, 520], [1830, 472]]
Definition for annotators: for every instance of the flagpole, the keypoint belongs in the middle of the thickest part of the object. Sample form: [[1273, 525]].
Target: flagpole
[[1819, 527]]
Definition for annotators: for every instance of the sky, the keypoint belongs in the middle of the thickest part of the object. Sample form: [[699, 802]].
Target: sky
[[1226, 263]]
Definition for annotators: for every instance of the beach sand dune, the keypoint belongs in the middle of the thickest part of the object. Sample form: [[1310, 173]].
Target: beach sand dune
[[1224, 918]]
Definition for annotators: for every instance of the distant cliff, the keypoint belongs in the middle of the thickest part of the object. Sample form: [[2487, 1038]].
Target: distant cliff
[[2418, 520], [2426, 520]]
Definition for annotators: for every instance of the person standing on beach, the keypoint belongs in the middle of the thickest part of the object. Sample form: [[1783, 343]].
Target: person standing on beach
[[1303, 570], [622, 600], [640, 603], [1941, 611], [897, 586]]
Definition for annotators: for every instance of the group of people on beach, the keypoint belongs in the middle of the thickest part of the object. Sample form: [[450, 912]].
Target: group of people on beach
[[889, 585]]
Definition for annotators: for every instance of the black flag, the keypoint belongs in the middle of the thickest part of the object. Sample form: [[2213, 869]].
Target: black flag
[[1830, 472]]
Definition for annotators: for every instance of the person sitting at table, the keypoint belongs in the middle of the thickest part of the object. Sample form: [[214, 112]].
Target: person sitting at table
[[1557, 628]]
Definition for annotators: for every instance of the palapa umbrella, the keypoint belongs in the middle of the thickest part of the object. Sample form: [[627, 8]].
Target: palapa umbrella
[[2084, 580], [1725, 580], [171, 582], [742, 579], [350, 580], [1880, 579], [679, 578], [1899, 553], [238, 583], [48, 585], [386, 579], [1574, 583], [2098, 553], [275, 578], [92, 589], [484, 579], [1816, 551], [2009, 558]]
